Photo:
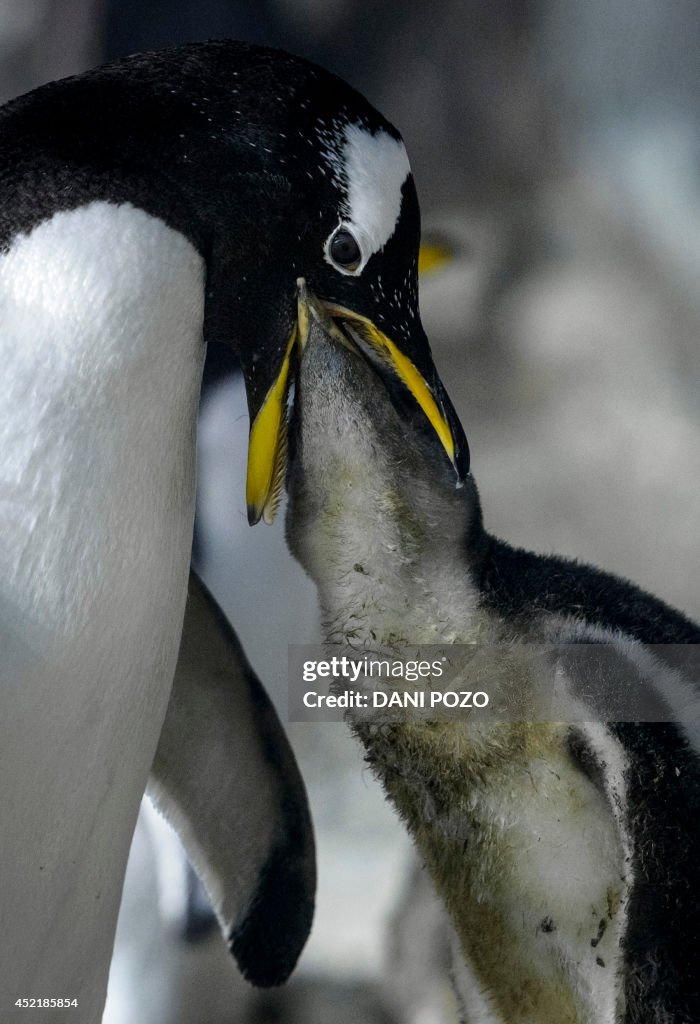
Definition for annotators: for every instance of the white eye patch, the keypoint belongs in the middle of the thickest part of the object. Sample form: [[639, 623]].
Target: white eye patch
[[371, 169]]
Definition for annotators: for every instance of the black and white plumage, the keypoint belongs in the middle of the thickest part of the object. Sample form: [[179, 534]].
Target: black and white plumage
[[148, 207], [567, 855]]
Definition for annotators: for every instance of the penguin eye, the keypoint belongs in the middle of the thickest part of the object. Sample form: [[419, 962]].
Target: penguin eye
[[344, 250]]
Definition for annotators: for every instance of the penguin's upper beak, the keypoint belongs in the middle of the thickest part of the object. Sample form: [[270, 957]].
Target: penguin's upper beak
[[268, 434]]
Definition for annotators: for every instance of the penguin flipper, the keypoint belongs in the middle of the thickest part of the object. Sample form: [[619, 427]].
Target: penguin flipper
[[225, 778]]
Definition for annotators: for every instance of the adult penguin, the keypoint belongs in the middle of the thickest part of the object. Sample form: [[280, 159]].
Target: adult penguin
[[149, 207]]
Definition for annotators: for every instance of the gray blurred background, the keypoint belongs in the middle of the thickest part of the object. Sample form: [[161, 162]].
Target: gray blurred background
[[556, 148]]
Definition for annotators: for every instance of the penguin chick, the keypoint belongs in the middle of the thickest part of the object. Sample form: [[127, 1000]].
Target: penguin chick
[[567, 855]]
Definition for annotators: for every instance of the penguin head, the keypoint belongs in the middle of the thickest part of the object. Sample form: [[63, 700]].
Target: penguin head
[[337, 235], [277, 172], [369, 479]]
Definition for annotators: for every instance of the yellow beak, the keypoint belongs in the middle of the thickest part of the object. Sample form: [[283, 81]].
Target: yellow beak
[[431, 257], [267, 448]]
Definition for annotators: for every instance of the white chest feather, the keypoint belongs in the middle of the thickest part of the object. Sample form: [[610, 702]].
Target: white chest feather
[[101, 319], [101, 314]]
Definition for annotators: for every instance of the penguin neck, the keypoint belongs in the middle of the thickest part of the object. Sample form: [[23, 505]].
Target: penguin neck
[[394, 568]]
